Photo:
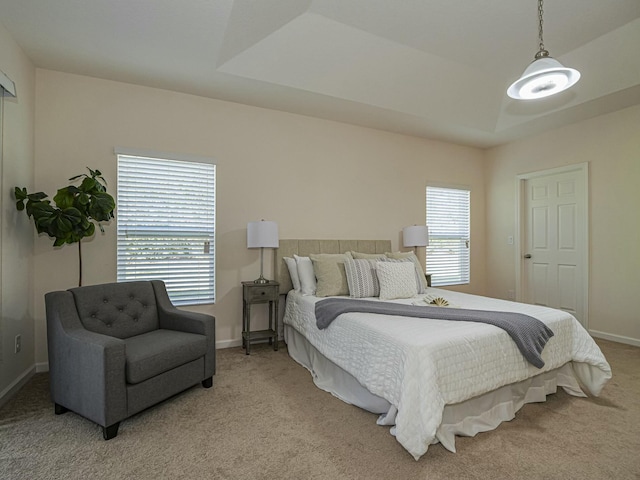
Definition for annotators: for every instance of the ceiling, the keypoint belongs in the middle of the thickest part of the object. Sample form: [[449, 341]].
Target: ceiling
[[431, 68]]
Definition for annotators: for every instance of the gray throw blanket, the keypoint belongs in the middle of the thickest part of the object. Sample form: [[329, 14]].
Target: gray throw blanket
[[529, 333]]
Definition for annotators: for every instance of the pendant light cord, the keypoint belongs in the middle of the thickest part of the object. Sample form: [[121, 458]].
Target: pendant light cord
[[541, 52]]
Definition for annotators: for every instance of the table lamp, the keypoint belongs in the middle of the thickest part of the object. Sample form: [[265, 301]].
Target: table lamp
[[260, 235]]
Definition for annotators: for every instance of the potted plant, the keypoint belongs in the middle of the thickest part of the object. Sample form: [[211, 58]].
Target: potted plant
[[76, 209]]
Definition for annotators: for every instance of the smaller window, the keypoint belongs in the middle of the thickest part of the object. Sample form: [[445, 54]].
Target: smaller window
[[166, 225], [448, 218]]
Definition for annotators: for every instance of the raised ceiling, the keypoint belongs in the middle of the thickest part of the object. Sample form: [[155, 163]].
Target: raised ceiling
[[431, 68]]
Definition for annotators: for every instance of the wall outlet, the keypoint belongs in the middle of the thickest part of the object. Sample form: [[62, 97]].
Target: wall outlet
[[18, 343], [511, 294]]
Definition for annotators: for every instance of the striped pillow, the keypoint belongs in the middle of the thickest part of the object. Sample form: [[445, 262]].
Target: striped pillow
[[362, 278]]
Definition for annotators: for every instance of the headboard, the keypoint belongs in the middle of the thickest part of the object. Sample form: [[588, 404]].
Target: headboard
[[304, 248]]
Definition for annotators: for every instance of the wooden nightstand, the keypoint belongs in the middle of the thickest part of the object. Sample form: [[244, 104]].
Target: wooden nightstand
[[253, 293]]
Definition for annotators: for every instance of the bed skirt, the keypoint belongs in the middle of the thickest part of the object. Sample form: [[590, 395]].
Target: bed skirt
[[479, 414]]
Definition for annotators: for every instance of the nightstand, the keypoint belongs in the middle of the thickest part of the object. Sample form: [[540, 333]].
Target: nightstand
[[428, 275], [254, 293]]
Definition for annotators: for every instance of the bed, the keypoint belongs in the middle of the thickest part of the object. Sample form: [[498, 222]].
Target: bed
[[430, 380]]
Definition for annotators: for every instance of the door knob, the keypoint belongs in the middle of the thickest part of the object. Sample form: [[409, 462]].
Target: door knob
[[528, 255]]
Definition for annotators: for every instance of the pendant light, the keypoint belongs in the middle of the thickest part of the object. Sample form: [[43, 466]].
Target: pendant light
[[545, 75]]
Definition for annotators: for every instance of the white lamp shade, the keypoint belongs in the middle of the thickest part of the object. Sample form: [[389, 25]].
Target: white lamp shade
[[415, 236], [262, 234], [543, 77]]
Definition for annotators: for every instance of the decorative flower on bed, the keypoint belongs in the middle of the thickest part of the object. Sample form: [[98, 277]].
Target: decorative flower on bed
[[439, 301]]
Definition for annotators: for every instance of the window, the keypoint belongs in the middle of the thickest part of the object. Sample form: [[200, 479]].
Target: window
[[166, 225], [449, 235]]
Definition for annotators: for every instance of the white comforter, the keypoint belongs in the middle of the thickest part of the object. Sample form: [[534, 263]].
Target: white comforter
[[420, 365]]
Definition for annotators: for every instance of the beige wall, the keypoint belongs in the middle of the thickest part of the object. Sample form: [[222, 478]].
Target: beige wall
[[316, 178], [611, 145], [16, 239]]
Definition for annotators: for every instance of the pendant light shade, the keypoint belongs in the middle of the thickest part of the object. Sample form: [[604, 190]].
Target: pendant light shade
[[545, 76]]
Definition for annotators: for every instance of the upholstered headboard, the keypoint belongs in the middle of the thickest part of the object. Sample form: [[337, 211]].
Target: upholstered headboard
[[304, 248]]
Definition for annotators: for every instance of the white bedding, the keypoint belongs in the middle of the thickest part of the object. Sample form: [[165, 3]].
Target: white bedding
[[421, 365]]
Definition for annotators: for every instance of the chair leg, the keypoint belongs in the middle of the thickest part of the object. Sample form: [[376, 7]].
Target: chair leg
[[59, 409], [111, 431], [207, 382]]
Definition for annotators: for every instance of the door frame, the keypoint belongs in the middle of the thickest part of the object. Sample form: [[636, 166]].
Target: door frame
[[583, 170]]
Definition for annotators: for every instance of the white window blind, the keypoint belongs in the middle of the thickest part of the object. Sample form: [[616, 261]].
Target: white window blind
[[449, 235], [166, 225]]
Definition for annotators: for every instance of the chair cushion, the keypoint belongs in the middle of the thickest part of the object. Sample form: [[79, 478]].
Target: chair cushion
[[119, 310], [159, 351]]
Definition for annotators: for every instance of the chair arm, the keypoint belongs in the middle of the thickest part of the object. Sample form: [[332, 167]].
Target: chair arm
[[172, 318], [87, 369]]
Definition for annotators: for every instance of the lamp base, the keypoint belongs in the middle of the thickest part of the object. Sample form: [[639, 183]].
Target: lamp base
[[261, 280]]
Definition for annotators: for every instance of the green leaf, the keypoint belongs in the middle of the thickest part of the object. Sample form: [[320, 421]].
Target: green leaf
[[42, 209], [44, 216], [36, 197], [101, 207], [31, 205], [88, 185], [73, 215], [63, 224], [20, 193], [64, 198], [83, 199]]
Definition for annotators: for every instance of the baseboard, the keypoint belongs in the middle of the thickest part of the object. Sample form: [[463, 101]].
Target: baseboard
[[615, 338], [16, 385], [42, 367], [229, 344]]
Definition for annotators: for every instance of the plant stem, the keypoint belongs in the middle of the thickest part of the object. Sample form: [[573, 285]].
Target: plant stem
[[79, 263]]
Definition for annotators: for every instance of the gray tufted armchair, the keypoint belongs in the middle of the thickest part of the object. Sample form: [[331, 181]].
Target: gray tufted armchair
[[118, 348]]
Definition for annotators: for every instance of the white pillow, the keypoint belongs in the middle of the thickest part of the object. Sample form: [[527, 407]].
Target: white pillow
[[397, 280], [420, 276], [293, 272], [306, 275], [419, 273]]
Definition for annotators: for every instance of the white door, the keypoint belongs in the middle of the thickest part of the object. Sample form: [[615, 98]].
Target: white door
[[555, 242]]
